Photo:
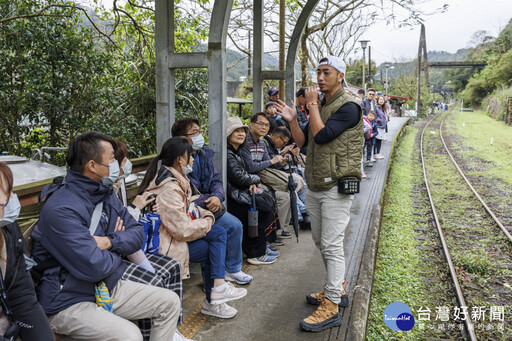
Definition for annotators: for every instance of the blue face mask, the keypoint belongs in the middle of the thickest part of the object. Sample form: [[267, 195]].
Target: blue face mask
[[113, 174], [11, 211], [197, 142], [127, 168]]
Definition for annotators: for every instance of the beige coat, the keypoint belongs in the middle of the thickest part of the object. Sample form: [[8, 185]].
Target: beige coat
[[175, 199]]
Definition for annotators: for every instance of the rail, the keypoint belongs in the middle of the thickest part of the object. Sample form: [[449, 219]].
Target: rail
[[484, 204], [460, 297]]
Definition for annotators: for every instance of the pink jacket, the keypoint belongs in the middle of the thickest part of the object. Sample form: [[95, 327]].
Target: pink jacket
[[175, 206]]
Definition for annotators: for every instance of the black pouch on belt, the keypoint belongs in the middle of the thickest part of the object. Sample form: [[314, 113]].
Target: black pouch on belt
[[348, 185]]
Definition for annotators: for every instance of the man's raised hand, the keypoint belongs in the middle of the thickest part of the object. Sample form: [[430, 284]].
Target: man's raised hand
[[289, 113]]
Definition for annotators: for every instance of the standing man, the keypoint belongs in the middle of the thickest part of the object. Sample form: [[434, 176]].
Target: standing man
[[360, 94], [334, 132], [369, 103], [273, 94]]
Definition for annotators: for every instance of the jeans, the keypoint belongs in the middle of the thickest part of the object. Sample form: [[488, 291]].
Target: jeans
[[210, 251], [301, 197], [368, 144], [234, 230], [329, 212]]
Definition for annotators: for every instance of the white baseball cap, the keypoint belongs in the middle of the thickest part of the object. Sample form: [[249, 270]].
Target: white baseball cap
[[335, 62]]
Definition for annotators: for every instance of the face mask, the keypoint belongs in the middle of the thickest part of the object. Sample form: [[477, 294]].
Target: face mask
[[127, 168], [186, 170], [113, 174], [197, 142], [11, 211]]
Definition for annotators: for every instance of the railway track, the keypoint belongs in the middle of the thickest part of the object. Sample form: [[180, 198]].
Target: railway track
[[454, 270], [484, 204]]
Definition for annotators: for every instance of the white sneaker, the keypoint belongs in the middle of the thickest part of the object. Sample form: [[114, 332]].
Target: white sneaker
[[240, 277], [179, 337], [229, 293], [222, 311], [372, 159]]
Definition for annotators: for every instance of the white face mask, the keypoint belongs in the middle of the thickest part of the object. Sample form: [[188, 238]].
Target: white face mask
[[113, 174], [11, 211], [127, 168], [197, 142], [187, 169]]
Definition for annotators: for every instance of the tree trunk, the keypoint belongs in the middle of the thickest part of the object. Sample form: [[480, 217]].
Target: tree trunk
[[304, 57]]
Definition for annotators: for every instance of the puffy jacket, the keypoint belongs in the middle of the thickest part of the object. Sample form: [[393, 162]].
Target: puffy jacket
[[239, 179], [21, 295], [175, 198], [63, 233], [380, 117], [205, 177]]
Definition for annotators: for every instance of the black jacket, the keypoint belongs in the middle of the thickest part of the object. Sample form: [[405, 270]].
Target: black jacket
[[21, 294], [239, 179]]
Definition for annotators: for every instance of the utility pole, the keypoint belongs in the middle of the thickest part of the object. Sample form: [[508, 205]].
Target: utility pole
[[387, 84], [369, 66], [422, 50], [364, 43], [282, 21], [249, 56]]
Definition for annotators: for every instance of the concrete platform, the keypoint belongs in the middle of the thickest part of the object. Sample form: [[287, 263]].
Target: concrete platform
[[275, 303]]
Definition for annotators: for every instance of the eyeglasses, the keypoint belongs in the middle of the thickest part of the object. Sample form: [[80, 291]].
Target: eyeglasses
[[266, 125], [371, 94], [285, 142], [195, 133]]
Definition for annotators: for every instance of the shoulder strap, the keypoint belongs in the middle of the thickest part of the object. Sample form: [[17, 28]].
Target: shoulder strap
[[96, 215]]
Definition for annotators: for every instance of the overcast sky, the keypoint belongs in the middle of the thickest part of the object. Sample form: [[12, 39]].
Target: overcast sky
[[448, 31]]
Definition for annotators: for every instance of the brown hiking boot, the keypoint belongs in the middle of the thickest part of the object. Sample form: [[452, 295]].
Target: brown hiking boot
[[317, 297], [325, 316]]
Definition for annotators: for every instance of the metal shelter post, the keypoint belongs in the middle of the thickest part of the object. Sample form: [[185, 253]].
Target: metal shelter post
[[164, 45], [257, 62], [215, 60], [217, 83], [293, 49]]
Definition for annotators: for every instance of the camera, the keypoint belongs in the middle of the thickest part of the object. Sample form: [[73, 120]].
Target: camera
[[149, 207]]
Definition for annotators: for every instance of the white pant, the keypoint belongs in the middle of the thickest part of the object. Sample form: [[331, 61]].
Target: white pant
[[329, 212], [132, 301]]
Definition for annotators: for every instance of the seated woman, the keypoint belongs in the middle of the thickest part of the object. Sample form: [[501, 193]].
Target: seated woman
[[241, 185], [21, 304], [155, 269], [188, 233]]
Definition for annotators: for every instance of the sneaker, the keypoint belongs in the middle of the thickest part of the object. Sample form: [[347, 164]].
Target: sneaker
[[262, 260], [272, 253], [278, 242], [381, 157], [285, 235], [229, 293], [240, 277], [369, 164], [222, 311], [271, 247], [363, 175], [372, 159], [325, 316], [179, 337], [306, 223], [317, 297]]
